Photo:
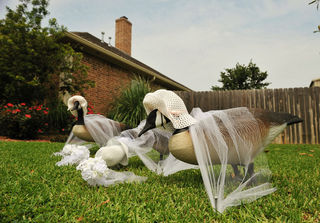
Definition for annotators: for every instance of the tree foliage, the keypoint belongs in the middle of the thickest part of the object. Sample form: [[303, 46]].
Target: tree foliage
[[317, 2], [242, 77], [34, 62]]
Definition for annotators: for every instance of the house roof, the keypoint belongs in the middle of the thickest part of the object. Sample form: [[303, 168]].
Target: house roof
[[94, 45]]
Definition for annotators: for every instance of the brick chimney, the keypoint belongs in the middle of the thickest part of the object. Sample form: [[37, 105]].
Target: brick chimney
[[123, 35]]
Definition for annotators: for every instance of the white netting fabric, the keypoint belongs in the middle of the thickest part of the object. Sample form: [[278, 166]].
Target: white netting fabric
[[171, 106], [101, 130], [96, 173], [72, 154], [235, 137], [220, 138], [81, 100], [118, 148], [145, 146]]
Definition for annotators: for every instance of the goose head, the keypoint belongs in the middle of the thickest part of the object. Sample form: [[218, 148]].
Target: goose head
[[167, 110], [76, 104]]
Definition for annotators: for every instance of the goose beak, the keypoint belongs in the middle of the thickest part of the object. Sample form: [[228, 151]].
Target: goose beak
[[75, 106], [150, 122], [147, 127]]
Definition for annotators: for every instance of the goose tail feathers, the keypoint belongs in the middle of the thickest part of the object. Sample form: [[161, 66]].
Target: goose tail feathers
[[294, 120]]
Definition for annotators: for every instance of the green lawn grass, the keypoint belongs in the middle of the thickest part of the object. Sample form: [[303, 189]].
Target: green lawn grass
[[33, 189]]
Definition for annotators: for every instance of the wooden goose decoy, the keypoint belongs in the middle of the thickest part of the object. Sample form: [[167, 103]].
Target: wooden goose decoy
[[167, 110]]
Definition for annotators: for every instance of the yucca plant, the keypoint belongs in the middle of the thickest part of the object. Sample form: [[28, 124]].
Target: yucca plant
[[128, 107]]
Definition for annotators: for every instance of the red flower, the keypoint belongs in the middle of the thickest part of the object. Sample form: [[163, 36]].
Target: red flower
[[45, 112], [5, 106], [18, 110], [28, 116], [23, 104], [62, 130], [10, 105], [40, 131]]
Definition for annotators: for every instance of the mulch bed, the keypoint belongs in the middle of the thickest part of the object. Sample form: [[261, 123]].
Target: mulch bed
[[4, 138]]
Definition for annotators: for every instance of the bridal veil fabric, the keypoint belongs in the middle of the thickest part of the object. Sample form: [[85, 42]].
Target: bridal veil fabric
[[106, 134]]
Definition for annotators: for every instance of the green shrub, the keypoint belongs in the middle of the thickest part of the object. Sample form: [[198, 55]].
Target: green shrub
[[128, 107], [60, 119], [59, 138], [20, 121]]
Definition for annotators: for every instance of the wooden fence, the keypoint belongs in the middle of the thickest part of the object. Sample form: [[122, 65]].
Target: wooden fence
[[303, 102]]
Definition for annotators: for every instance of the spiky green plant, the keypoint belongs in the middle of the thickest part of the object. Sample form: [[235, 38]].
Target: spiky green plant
[[128, 107]]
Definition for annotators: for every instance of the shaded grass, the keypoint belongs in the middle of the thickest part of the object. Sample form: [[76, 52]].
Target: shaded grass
[[34, 189]]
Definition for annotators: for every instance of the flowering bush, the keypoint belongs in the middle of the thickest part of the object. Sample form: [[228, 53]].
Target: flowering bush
[[23, 122], [90, 109]]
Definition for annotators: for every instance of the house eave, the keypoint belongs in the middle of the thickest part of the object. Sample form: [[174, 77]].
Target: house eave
[[118, 59]]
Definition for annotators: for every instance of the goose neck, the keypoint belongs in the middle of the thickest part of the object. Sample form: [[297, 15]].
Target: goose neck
[[80, 120], [176, 131]]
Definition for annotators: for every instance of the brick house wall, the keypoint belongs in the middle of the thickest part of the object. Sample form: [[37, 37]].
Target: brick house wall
[[113, 68], [109, 80]]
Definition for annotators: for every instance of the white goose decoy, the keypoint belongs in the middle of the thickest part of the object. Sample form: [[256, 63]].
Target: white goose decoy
[[233, 136]]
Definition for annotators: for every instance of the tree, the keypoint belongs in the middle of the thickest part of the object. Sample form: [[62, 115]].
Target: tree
[[242, 77], [317, 2], [34, 62]]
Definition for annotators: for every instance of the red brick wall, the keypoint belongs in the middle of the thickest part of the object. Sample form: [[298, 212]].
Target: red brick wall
[[109, 80]]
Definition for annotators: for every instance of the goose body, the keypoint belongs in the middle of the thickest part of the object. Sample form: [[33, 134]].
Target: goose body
[[82, 132], [269, 125]]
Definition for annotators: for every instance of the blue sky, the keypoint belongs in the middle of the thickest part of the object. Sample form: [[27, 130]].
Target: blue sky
[[193, 41]]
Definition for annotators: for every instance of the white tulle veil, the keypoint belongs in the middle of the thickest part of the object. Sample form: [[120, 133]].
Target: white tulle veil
[[148, 147], [106, 133], [101, 129], [218, 134], [219, 138]]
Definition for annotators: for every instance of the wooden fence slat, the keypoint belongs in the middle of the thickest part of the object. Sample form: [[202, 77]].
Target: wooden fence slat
[[307, 101], [303, 102], [316, 94]]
